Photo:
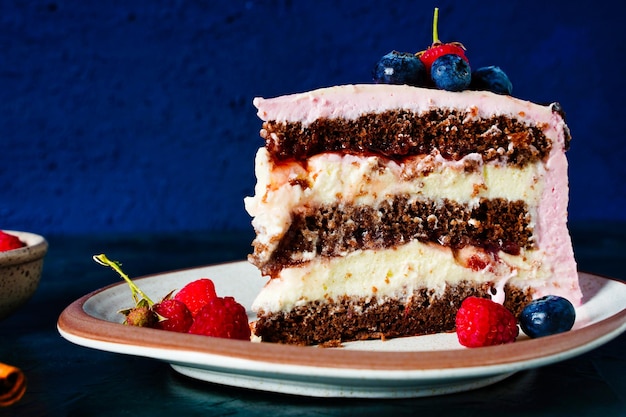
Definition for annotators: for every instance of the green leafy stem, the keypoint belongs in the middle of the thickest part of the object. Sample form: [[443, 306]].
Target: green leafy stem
[[116, 266]]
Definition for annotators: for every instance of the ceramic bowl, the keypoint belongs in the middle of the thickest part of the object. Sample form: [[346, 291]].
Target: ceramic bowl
[[20, 271]]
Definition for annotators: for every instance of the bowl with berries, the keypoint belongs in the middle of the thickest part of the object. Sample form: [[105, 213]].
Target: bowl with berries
[[21, 263]]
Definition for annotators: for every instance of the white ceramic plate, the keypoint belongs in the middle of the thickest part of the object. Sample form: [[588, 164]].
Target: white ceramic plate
[[403, 367]]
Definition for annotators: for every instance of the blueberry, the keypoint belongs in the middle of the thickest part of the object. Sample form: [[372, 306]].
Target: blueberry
[[451, 72], [400, 68], [491, 79], [547, 315]]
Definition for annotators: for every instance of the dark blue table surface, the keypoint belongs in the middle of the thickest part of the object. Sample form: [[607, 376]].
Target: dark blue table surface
[[69, 380]]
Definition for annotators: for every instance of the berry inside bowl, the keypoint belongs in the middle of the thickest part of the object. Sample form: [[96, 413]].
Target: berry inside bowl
[[20, 270]]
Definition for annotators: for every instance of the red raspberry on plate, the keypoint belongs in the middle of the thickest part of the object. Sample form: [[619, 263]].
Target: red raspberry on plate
[[9, 242], [196, 294], [173, 316], [222, 317], [482, 322]]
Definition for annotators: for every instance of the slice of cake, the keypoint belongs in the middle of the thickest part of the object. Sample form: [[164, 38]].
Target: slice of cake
[[379, 208]]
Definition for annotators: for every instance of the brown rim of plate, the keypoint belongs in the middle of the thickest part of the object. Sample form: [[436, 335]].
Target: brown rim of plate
[[75, 321]]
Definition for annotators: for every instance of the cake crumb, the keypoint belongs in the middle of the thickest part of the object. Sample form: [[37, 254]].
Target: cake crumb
[[331, 344]]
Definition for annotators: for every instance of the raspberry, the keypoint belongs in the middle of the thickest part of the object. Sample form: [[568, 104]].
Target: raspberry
[[173, 316], [214, 316], [430, 55], [222, 317], [196, 294], [9, 242], [438, 49], [482, 322], [140, 316]]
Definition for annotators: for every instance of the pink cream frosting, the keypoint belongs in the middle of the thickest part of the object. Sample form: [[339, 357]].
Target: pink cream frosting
[[350, 101], [551, 228]]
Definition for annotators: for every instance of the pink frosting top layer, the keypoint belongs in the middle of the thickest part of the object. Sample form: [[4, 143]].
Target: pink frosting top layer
[[350, 101]]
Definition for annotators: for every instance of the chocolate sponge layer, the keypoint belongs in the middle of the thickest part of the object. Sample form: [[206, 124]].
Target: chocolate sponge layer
[[354, 318], [333, 230], [401, 133]]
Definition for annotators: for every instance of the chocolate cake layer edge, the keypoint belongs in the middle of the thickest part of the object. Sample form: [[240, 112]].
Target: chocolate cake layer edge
[[351, 319]]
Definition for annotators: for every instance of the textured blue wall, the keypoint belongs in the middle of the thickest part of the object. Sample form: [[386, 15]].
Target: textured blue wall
[[137, 115]]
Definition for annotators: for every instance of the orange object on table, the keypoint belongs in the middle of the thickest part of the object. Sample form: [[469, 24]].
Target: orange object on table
[[12, 384]]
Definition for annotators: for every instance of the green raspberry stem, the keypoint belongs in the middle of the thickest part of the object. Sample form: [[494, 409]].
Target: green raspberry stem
[[116, 266], [435, 22]]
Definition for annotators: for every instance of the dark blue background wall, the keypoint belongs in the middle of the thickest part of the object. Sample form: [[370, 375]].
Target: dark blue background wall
[[137, 115]]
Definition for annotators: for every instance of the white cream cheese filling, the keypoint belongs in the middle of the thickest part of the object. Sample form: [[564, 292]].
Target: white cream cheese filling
[[399, 271]]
